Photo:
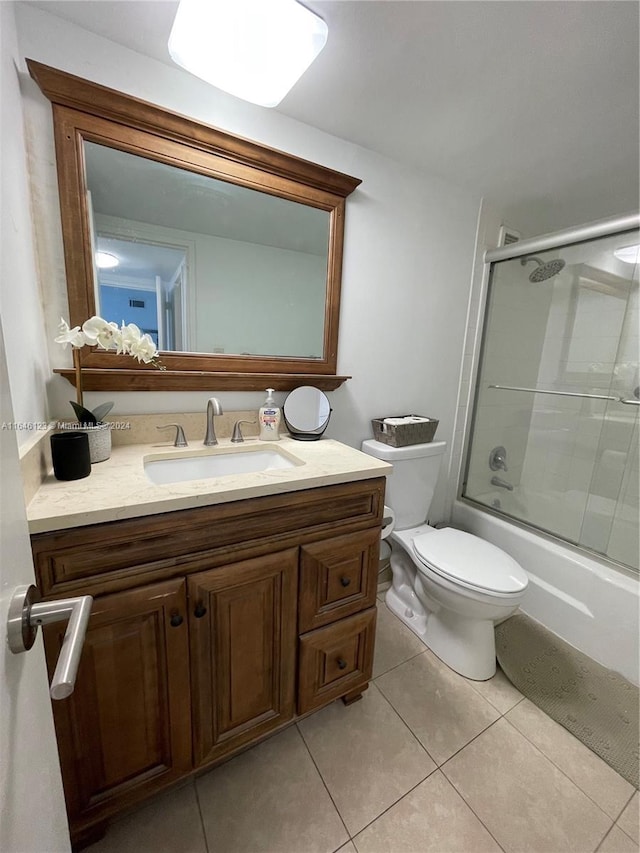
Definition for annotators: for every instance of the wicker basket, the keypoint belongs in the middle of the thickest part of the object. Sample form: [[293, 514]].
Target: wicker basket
[[401, 435]]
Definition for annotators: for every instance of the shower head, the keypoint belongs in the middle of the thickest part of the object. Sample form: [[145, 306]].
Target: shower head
[[544, 270]]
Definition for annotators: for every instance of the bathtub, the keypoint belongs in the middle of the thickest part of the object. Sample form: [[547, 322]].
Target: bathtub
[[588, 602]]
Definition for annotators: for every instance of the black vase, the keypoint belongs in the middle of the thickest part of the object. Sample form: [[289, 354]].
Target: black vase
[[70, 454]]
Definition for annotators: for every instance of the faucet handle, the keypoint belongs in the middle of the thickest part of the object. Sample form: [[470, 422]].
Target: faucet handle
[[498, 459], [180, 441], [237, 436]]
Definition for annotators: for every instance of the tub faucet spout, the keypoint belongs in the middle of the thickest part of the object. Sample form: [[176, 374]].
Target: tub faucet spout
[[501, 484], [213, 408]]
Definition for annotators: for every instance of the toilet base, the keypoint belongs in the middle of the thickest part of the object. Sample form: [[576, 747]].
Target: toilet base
[[467, 646]]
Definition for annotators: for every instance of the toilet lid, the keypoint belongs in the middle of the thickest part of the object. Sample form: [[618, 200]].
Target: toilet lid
[[469, 560]]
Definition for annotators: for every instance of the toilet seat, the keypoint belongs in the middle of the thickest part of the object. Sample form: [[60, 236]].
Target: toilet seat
[[469, 561]]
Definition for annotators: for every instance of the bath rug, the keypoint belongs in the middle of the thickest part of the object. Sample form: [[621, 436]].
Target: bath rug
[[594, 703]]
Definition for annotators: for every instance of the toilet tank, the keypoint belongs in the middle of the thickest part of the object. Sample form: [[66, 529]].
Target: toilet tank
[[411, 486]]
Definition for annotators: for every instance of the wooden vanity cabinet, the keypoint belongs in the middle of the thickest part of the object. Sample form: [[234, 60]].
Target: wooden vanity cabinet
[[210, 628]]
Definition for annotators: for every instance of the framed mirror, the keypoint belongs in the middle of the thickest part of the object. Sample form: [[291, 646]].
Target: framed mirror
[[228, 253]]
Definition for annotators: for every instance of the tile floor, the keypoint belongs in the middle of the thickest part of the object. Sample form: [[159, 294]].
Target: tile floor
[[426, 761]]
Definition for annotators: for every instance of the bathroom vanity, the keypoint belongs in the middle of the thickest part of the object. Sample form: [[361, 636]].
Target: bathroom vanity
[[212, 626]]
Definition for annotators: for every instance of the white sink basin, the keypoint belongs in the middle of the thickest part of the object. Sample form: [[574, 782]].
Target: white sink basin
[[215, 463]]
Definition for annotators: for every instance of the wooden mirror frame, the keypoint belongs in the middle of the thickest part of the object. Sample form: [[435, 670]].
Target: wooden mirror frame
[[83, 110]]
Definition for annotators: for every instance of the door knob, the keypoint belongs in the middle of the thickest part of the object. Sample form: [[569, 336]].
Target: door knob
[[27, 612]]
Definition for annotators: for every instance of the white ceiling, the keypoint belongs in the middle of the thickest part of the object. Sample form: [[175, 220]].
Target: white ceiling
[[531, 103]]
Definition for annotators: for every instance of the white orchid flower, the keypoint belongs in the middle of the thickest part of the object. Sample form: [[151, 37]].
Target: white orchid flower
[[100, 332], [127, 340], [74, 336], [130, 336], [143, 349]]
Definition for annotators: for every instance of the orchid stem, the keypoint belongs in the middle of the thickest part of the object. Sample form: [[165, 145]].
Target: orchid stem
[[78, 368]]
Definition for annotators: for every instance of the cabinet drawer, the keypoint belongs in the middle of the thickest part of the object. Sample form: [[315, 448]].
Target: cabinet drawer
[[335, 660], [338, 577]]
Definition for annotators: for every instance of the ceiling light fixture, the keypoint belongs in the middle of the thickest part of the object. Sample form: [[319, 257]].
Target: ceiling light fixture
[[253, 49], [106, 261], [628, 254]]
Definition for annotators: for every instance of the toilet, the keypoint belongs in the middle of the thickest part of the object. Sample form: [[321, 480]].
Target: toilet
[[448, 586]]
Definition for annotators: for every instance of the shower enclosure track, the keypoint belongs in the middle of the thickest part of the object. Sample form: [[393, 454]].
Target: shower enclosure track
[[579, 234], [625, 400]]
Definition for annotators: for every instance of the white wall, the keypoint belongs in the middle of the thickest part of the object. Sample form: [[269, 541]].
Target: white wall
[[408, 242], [489, 221], [20, 309]]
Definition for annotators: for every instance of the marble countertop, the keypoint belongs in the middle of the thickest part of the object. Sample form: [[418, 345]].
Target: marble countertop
[[118, 487]]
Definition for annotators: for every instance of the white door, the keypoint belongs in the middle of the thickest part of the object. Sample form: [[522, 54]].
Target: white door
[[33, 817]]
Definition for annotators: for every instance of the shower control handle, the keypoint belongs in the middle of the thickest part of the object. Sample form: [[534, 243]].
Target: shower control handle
[[498, 459]]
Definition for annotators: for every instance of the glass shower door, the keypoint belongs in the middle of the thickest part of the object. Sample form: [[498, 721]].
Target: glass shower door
[[610, 524], [551, 444]]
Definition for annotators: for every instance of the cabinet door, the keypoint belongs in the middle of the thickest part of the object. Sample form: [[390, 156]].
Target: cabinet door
[[243, 645], [125, 730]]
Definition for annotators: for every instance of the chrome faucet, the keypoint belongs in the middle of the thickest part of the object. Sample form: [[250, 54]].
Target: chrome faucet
[[502, 484], [213, 408]]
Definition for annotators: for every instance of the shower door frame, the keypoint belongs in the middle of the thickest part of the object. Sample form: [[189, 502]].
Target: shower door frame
[[554, 240], [569, 236]]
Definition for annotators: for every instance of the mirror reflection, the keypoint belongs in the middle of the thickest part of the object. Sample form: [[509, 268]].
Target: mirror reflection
[[204, 265]]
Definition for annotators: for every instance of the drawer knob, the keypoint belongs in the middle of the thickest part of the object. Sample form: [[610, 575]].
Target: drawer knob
[[200, 610], [345, 581], [176, 619], [341, 663]]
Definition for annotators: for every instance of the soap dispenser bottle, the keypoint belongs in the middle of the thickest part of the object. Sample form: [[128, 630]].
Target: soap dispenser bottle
[[269, 419]]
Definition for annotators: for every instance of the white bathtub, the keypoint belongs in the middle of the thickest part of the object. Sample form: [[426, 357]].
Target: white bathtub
[[586, 601]]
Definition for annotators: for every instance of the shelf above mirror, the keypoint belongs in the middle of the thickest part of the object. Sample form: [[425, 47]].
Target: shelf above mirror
[[101, 379]]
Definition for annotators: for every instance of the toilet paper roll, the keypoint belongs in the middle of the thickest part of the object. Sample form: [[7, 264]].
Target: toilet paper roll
[[389, 522], [406, 419]]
